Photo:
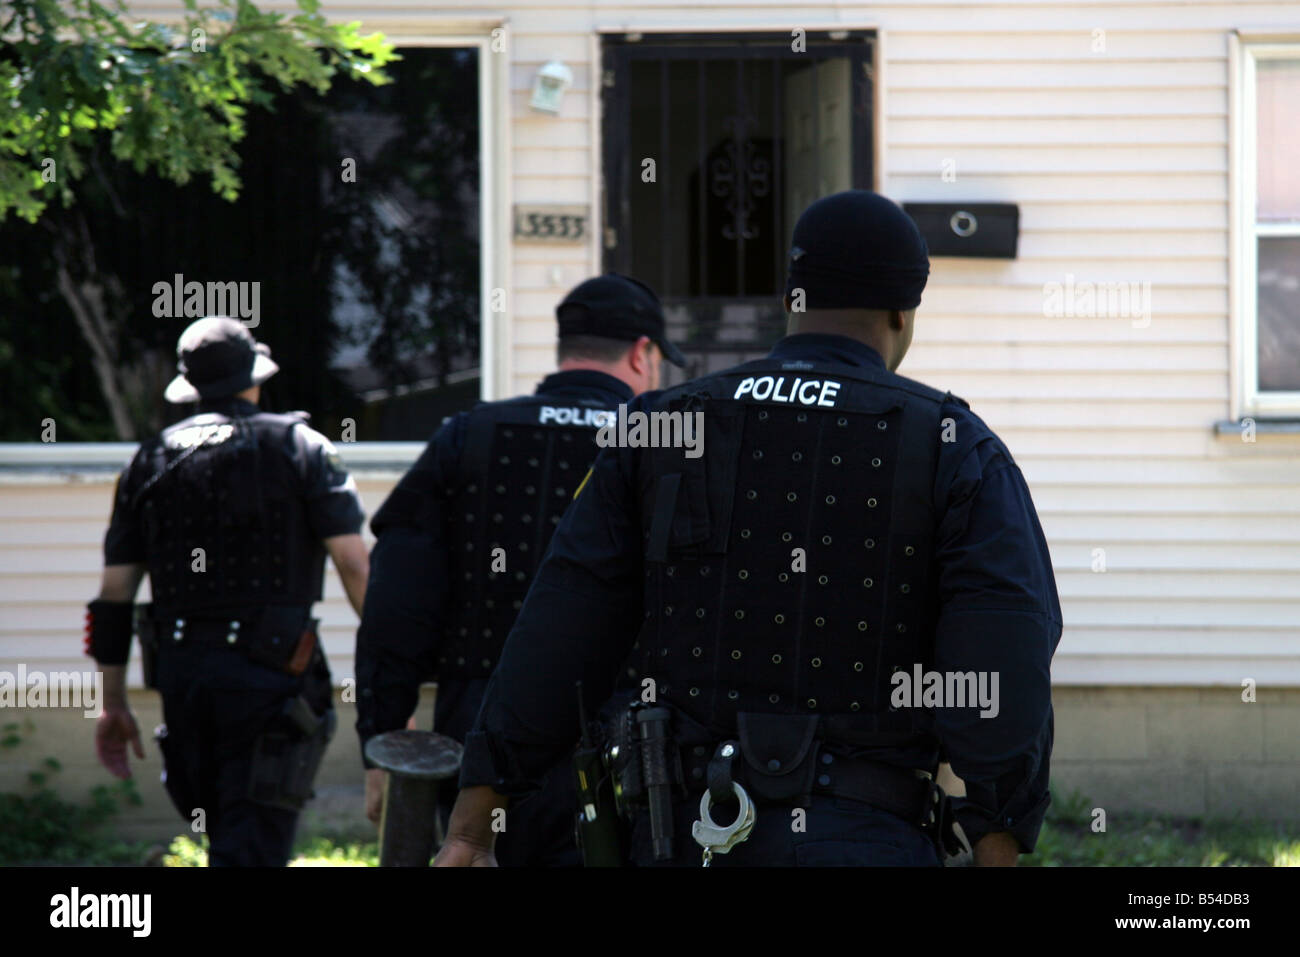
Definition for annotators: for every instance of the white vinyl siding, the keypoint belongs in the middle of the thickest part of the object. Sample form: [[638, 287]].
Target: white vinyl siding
[[1120, 162]]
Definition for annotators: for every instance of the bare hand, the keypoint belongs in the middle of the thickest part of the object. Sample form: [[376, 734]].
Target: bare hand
[[462, 853], [116, 726], [376, 779], [998, 849]]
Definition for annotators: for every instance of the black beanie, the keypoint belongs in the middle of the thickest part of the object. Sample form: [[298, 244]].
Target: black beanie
[[857, 249]]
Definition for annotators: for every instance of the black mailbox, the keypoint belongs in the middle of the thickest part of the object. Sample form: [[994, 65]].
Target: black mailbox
[[983, 230]]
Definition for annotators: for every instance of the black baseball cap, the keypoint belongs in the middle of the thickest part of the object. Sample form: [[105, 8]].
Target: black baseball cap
[[616, 307], [217, 357]]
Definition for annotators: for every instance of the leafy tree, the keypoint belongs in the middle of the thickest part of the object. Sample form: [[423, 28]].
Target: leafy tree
[[87, 85]]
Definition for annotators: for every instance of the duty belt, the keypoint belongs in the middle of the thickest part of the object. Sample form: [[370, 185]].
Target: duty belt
[[912, 795], [204, 631]]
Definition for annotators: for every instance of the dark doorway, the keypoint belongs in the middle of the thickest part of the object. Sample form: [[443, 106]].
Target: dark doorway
[[713, 146]]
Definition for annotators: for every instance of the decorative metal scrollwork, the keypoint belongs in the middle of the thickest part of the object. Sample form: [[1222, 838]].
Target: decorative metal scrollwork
[[740, 176]]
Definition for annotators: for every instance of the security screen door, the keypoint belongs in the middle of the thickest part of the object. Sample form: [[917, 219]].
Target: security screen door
[[713, 145]]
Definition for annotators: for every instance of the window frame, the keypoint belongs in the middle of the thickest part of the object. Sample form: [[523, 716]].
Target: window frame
[[1247, 398]]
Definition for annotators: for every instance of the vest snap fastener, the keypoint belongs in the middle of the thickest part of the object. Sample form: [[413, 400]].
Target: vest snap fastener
[[819, 622], [841, 421], [739, 614], [231, 638], [704, 569], [822, 579], [758, 454], [882, 425], [857, 666], [751, 495], [733, 695], [779, 619], [826, 539], [836, 460], [862, 626], [816, 662], [744, 533], [699, 613], [812, 702], [797, 457], [776, 659], [735, 655], [908, 550], [762, 416], [875, 463], [774, 765], [905, 588], [901, 627], [867, 583], [742, 574], [854, 706], [773, 698], [668, 609], [828, 758], [670, 569], [824, 780], [786, 536], [801, 417], [871, 503], [697, 651], [830, 499], [783, 577], [695, 692], [791, 497], [870, 543]]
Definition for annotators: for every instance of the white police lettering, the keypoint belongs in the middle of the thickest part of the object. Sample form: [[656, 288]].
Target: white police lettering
[[561, 415], [782, 389]]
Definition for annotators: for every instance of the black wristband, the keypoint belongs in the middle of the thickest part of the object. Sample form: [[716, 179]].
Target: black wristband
[[109, 626]]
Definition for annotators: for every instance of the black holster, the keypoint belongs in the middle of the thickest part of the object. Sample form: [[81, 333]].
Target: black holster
[[287, 755]]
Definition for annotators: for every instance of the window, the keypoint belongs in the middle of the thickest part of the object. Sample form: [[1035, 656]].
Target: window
[[1269, 231], [356, 235], [713, 146]]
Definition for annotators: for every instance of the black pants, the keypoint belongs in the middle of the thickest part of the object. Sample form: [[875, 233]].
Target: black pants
[[216, 703], [832, 832]]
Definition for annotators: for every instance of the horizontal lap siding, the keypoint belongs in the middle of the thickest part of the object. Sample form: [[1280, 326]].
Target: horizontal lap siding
[[1119, 163]]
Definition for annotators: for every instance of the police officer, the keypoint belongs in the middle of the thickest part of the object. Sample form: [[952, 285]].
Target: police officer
[[787, 598], [461, 534], [231, 512]]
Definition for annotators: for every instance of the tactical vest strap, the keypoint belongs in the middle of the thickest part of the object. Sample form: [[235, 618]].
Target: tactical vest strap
[[662, 521]]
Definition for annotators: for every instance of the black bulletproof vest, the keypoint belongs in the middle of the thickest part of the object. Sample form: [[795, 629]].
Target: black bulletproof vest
[[226, 485], [790, 567], [522, 461]]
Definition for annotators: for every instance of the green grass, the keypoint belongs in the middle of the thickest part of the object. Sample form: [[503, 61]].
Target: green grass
[[1149, 840], [314, 850]]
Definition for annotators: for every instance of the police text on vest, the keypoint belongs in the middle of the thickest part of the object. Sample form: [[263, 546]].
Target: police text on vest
[[564, 415], [103, 910], [766, 388]]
